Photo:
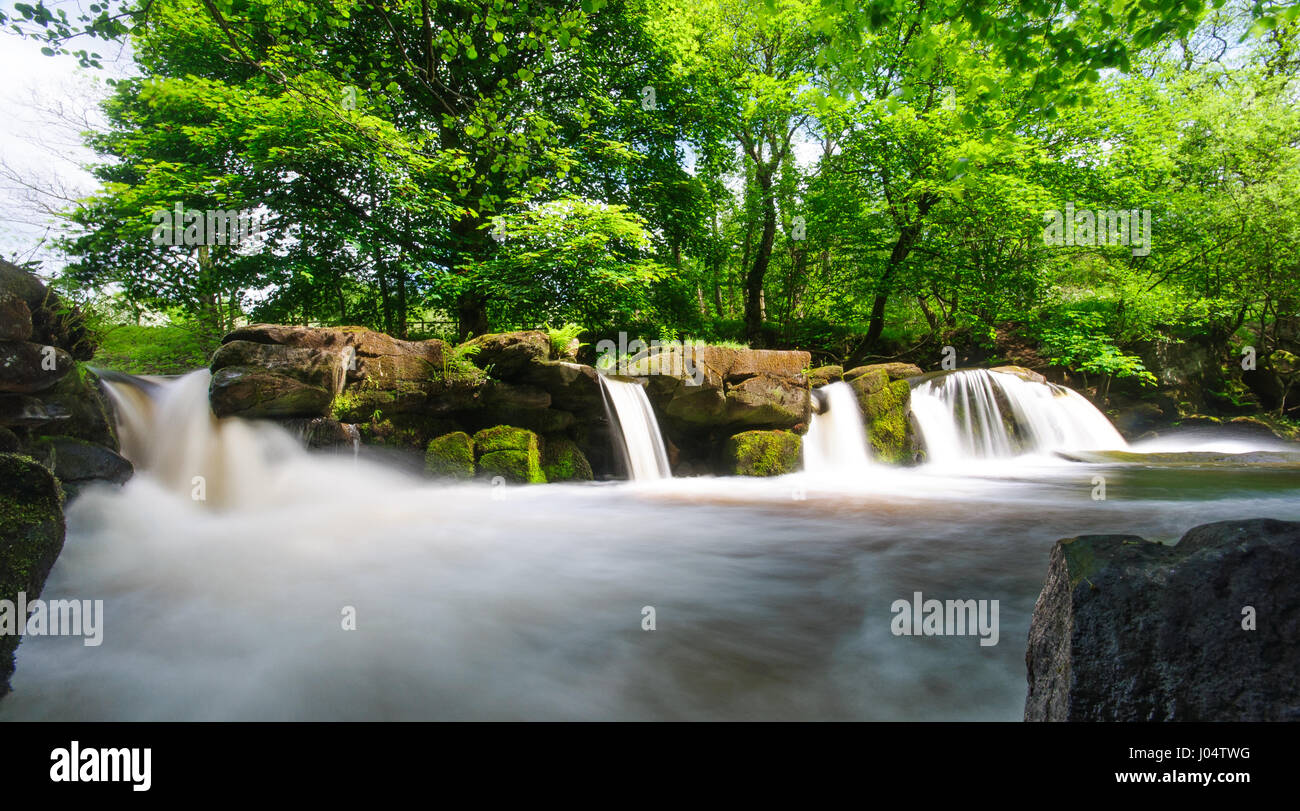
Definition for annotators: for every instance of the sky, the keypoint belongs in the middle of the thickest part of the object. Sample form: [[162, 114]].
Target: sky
[[46, 102]]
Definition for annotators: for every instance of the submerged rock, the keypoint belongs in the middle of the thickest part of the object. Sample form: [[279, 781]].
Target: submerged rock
[[31, 537], [450, 456], [763, 453], [1132, 630], [1256, 458]]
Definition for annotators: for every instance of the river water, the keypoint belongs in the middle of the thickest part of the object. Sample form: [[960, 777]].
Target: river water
[[771, 598]]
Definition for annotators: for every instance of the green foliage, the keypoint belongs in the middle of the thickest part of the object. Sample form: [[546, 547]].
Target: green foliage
[[1081, 343], [568, 260], [151, 350], [561, 337]]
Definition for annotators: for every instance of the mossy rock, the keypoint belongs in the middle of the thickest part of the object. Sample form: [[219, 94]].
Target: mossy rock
[[451, 456], [885, 408], [510, 452], [522, 467], [563, 461], [825, 375], [763, 453], [31, 537]]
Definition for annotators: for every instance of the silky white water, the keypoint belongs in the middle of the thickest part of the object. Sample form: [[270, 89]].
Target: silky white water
[[771, 597], [979, 414], [836, 441], [643, 445]]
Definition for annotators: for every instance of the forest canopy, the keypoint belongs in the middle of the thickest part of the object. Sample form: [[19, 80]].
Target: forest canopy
[[856, 179]]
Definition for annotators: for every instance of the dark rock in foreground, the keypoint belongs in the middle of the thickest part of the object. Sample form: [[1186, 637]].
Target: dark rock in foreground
[[31, 537], [1132, 630]]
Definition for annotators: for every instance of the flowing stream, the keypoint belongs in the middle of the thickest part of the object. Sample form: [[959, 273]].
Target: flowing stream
[[770, 598]]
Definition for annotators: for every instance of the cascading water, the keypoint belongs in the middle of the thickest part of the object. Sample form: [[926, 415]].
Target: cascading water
[[642, 444], [976, 413], [167, 430], [836, 441], [333, 589]]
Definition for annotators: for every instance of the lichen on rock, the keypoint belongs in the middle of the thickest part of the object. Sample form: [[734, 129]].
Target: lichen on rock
[[763, 453]]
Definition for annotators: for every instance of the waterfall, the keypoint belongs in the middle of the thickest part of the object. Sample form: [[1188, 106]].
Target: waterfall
[[836, 441], [167, 430], [975, 413], [641, 442]]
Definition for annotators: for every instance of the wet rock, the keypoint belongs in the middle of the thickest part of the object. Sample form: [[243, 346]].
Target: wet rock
[[31, 537], [510, 452], [892, 371], [763, 453], [563, 461], [241, 391], [1027, 375], [1194, 458], [885, 396], [78, 463], [769, 401], [825, 375], [450, 456], [1131, 630], [29, 368]]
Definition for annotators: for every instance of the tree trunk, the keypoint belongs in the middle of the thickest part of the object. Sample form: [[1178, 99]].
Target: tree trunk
[[757, 271]]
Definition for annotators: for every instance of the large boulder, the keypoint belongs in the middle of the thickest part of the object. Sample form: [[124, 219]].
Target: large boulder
[[29, 368], [510, 354], [54, 322], [396, 392], [697, 386], [768, 400], [762, 453], [31, 537], [1132, 630], [253, 379]]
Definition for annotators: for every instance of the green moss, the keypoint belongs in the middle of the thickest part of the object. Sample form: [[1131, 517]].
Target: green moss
[[31, 536], [504, 438], [563, 461], [763, 453], [504, 450], [451, 455], [516, 466], [885, 408]]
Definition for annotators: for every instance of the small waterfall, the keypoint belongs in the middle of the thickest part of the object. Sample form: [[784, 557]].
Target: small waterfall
[[167, 430], [836, 441], [975, 413], [641, 442]]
